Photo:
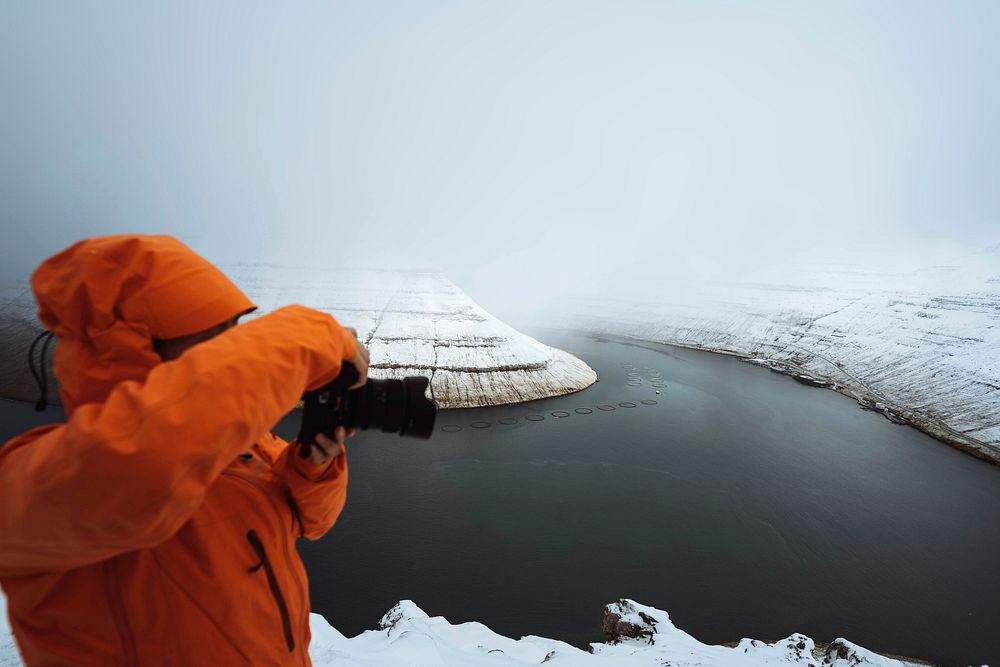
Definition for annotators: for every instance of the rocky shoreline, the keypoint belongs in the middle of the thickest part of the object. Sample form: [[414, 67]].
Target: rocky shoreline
[[870, 401], [866, 398], [920, 347]]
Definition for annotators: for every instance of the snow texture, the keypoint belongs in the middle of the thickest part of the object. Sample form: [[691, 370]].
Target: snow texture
[[9, 655], [413, 323], [408, 637], [921, 347]]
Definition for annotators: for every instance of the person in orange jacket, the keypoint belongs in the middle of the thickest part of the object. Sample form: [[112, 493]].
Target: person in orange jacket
[[157, 526]]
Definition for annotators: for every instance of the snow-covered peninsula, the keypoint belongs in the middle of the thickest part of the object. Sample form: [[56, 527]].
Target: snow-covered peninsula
[[638, 636], [922, 346], [413, 322]]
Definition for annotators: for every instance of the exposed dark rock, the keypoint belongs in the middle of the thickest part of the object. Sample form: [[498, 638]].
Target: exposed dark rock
[[616, 629]]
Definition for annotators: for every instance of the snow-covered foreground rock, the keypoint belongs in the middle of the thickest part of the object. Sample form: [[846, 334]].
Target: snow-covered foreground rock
[[922, 347], [641, 637], [413, 322]]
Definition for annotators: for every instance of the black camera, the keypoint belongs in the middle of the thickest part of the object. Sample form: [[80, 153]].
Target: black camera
[[394, 406]]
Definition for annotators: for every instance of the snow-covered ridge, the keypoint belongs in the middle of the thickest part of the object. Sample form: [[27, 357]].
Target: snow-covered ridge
[[921, 347], [413, 322], [638, 636]]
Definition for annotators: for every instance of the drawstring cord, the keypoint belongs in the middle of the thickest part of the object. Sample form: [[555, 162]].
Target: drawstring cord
[[40, 374]]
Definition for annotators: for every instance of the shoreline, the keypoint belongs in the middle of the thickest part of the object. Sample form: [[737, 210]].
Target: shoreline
[[866, 398]]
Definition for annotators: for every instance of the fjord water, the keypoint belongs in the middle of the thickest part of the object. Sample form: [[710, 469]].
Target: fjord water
[[742, 502]]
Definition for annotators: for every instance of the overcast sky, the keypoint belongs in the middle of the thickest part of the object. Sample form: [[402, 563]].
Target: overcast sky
[[525, 148]]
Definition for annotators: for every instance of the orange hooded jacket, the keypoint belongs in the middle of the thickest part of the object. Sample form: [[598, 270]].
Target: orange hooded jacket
[[157, 525]]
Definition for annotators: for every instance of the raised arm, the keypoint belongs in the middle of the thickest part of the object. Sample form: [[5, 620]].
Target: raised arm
[[319, 491], [126, 474]]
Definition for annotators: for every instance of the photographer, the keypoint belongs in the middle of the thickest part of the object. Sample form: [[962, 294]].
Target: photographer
[[157, 525]]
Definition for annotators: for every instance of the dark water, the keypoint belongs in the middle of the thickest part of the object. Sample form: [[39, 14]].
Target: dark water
[[742, 502]]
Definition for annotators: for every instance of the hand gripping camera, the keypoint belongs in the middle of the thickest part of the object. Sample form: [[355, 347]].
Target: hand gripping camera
[[394, 406]]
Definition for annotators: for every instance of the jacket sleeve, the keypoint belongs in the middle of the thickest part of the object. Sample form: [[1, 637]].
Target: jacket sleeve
[[127, 474], [318, 492]]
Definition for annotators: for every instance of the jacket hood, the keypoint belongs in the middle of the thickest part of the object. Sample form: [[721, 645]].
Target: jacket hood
[[107, 298]]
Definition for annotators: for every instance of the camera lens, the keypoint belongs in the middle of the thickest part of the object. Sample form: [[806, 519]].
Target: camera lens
[[419, 412], [393, 406]]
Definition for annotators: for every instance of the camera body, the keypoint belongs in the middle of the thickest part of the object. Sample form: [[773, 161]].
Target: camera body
[[393, 406]]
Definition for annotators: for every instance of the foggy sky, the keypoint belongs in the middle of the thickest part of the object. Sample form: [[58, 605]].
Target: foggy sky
[[525, 148]]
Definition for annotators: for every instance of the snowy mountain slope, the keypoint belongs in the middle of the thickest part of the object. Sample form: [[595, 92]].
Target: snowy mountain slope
[[639, 636], [922, 347], [414, 323]]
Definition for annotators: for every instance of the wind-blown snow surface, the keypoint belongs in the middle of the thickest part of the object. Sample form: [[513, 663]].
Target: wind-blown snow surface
[[413, 322], [407, 637], [922, 347]]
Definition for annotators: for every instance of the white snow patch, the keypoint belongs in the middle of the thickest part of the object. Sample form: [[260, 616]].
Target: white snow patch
[[9, 655], [408, 637], [922, 347]]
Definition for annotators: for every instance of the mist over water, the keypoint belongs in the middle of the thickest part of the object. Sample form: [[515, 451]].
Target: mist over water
[[537, 152], [529, 150]]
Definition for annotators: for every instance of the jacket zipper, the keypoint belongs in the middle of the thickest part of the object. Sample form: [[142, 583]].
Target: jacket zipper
[[289, 549], [119, 614], [272, 582], [292, 557]]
